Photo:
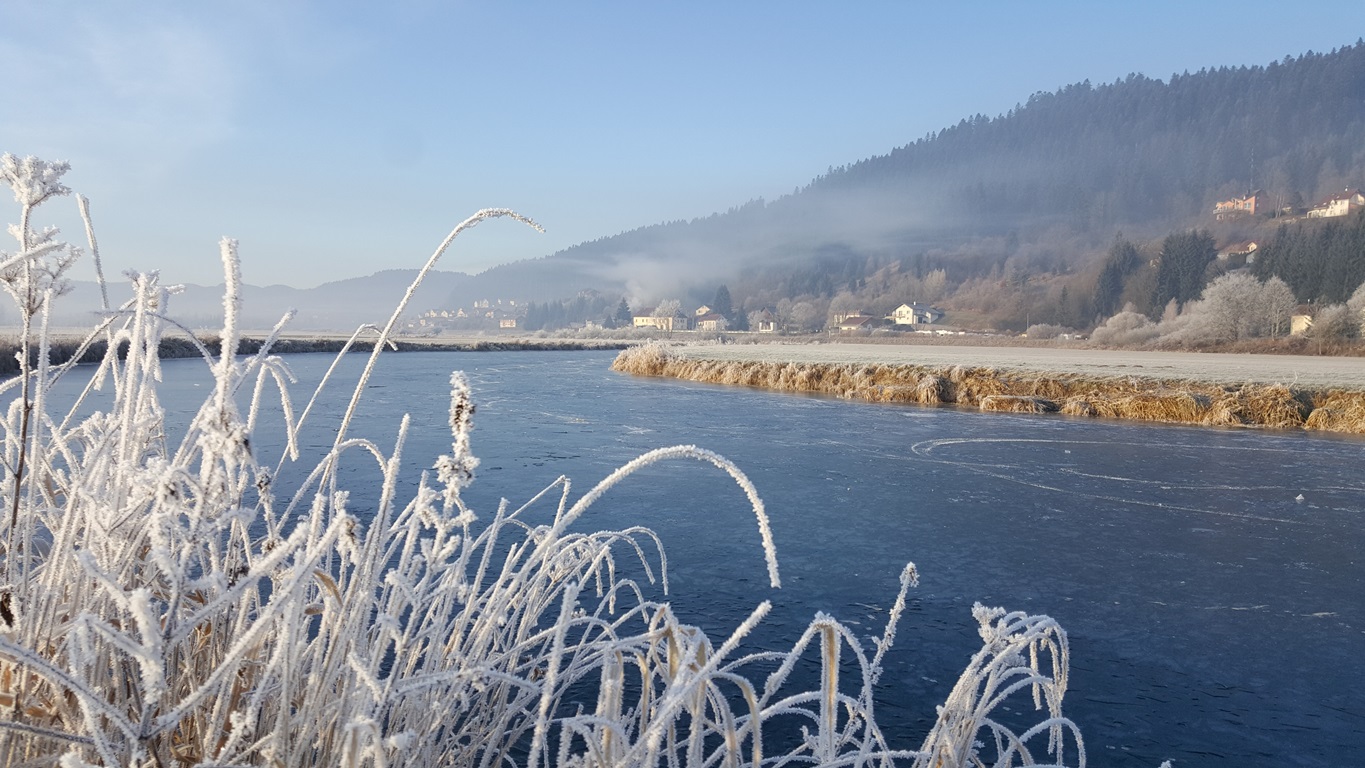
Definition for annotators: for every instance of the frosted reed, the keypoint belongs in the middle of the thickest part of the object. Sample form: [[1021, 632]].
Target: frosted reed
[[166, 603]]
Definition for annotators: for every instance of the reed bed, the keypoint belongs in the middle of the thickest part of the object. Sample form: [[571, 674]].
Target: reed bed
[[1276, 406], [1337, 411], [165, 601]]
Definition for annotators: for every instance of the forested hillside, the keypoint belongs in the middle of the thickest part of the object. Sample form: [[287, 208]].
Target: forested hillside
[[1142, 152]]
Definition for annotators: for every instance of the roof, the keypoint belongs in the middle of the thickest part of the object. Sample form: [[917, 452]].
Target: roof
[[856, 322], [1343, 195]]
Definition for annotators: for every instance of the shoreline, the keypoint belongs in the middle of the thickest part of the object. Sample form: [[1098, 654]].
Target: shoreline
[[178, 347], [1191, 391]]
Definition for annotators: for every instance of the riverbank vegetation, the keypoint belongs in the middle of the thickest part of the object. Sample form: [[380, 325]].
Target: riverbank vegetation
[[1144, 398], [165, 599]]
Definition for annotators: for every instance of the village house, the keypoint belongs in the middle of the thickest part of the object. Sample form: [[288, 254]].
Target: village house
[[1239, 206], [856, 323], [839, 317], [1339, 204], [915, 313], [763, 321], [712, 321], [507, 322], [646, 319], [1300, 322]]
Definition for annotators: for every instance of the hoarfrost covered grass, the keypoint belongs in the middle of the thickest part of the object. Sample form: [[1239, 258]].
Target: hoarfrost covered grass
[[1000, 384], [1347, 373], [163, 601]]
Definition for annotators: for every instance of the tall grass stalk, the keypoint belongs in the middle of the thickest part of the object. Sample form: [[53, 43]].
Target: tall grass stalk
[[168, 603]]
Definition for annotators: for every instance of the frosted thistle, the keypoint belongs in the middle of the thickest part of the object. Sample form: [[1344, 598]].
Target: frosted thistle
[[33, 180]]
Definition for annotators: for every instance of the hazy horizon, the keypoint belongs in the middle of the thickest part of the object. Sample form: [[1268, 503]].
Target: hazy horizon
[[338, 140]]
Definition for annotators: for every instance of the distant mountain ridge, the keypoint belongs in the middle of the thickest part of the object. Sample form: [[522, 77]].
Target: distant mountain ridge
[[341, 305]]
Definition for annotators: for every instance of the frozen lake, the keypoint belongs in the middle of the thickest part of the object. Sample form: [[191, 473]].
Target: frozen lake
[[1215, 617]]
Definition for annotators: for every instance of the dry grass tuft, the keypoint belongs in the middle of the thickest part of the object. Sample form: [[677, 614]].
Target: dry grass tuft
[[1017, 404], [1275, 406], [1173, 405], [932, 389], [1338, 411], [1079, 405]]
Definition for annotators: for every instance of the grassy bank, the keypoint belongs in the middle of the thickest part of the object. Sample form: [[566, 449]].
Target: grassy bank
[[170, 347], [1180, 401]]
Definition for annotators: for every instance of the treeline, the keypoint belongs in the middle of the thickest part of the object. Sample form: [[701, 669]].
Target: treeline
[[1322, 261], [553, 315], [1144, 152]]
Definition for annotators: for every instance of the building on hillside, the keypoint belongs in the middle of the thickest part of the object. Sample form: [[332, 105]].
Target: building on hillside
[[712, 321], [507, 322], [915, 313], [1339, 204], [1239, 206], [1238, 254], [702, 310]]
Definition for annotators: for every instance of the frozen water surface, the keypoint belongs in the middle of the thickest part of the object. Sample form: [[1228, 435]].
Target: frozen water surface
[[1215, 617]]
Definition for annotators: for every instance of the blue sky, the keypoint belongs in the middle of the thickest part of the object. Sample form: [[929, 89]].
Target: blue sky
[[334, 139]]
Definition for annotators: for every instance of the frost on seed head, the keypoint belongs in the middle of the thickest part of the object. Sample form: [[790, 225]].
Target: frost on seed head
[[456, 470]]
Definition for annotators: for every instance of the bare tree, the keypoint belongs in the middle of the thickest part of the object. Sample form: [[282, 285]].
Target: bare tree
[[1230, 306], [667, 308], [1336, 323], [1277, 303], [1127, 328], [1356, 306], [806, 316], [1357, 301]]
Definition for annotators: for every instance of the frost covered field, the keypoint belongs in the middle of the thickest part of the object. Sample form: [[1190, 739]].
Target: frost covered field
[[1217, 368]]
